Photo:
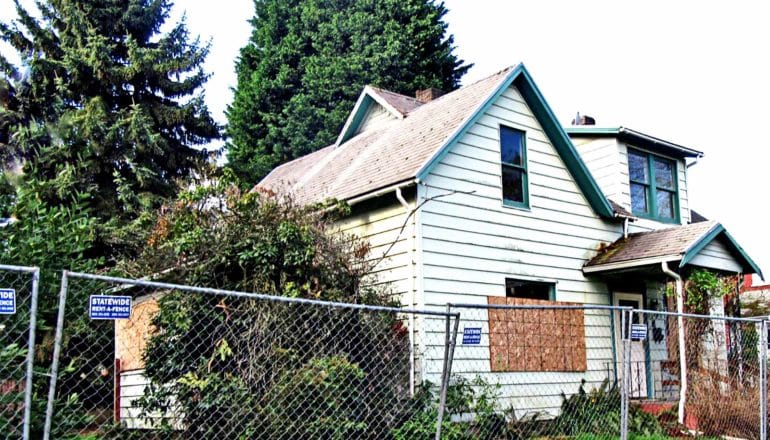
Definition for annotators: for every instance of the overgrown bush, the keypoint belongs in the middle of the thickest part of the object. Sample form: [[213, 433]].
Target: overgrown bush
[[240, 367]]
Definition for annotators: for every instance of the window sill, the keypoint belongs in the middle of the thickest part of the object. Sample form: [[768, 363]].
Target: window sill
[[670, 221], [515, 205]]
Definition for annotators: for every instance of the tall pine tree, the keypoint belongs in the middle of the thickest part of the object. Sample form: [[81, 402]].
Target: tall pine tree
[[307, 61], [104, 108]]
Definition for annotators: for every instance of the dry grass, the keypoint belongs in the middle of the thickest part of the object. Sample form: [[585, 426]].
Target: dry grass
[[724, 405]]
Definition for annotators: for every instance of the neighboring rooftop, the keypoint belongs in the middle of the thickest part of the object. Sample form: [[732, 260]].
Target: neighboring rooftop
[[635, 138]]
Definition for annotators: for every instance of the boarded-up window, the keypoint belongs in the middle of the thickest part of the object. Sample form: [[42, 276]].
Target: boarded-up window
[[131, 335], [536, 339]]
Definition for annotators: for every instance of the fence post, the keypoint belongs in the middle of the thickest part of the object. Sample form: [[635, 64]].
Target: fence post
[[56, 354], [30, 355], [450, 341], [626, 371], [763, 381]]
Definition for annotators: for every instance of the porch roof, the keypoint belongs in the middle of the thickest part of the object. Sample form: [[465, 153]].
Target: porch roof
[[681, 243]]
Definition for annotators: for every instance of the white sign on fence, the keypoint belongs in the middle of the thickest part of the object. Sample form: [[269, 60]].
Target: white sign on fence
[[7, 301], [109, 307]]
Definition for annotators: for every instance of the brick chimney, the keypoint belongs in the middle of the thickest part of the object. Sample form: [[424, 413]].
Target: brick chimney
[[427, 95]]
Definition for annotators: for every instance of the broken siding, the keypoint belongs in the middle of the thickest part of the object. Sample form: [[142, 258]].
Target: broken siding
[[471, 243]]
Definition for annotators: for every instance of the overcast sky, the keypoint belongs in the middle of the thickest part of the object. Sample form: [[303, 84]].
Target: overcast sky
[[691, 72]]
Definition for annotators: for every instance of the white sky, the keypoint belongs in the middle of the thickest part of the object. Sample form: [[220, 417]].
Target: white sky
[[691, 72]]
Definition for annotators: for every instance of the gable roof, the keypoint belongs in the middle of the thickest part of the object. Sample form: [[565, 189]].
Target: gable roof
[[634, 137], [681, 243], [408, 147], [396, 104]]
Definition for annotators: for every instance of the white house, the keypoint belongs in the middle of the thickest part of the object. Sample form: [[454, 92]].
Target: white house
[[501, 203]]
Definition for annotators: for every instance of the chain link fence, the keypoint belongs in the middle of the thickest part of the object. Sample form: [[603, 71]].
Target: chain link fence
[[527, 368], [18, 310], [714, 386], [188, 362]]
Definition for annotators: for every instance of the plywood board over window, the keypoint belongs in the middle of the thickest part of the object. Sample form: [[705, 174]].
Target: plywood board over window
[[524, 340], [131, 335]]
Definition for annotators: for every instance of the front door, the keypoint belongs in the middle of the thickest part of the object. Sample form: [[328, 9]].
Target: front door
[[638, 359]]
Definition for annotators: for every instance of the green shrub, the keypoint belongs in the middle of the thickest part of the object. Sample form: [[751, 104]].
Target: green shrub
[[474, 401], [597, 412], [325, 398]]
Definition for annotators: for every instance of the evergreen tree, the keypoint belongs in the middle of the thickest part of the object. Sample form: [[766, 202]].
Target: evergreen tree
[[104, 106], [307, 61]]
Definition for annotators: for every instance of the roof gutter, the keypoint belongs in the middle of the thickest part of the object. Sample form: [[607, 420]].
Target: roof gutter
[[382, 191], [656, 141], [630, 264]]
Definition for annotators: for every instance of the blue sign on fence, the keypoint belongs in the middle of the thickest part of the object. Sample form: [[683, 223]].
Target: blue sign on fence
[[471, 335], [7, 301], [638, 332], [109, 307]]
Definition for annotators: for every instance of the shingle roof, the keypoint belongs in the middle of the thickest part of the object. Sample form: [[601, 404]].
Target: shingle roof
[[619, 210], [384, 156], [660, 243], [402, 103]]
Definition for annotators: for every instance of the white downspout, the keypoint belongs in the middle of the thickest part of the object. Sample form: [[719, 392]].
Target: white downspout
[[625, 227], [410, 254], [680, 329]]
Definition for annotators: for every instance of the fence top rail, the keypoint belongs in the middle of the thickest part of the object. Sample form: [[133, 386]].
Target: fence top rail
[[544, 307], [128, 282], [693, 315], [30, 269]]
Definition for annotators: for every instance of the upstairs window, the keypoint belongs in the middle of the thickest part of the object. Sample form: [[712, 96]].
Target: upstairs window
[[653, 186], [513, 158]]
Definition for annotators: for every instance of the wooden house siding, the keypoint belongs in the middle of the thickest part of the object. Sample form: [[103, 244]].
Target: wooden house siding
[[717, 256], [609, 168], [607, 159], [376, 116], [471, 243], [381, 227]]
